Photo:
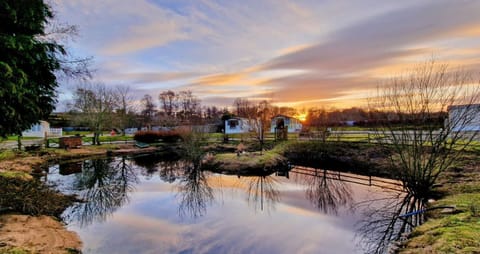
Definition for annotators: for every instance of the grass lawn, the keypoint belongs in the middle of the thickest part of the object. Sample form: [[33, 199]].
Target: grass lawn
[[456, 233], [15, 138]]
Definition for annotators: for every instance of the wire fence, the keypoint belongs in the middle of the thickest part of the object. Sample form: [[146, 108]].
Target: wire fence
[[373, 137]]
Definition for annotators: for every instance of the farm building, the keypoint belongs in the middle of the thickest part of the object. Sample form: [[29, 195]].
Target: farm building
[[468, 113], [42, 130], [238, 125], [279, 122]]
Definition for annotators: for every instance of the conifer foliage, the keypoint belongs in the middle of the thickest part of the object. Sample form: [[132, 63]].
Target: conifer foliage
[[27, 65]]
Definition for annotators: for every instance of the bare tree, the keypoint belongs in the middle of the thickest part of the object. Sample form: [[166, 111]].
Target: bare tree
[[148, 110], [125, 111], [95, 105], [189, 104], [261, 121], [288, 111], [423, 149], [168, 102], [318, 120], [244, 108], [71, 66]]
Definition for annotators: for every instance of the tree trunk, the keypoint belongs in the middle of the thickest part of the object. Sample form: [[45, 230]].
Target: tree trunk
[[96, 138], [19, 142]]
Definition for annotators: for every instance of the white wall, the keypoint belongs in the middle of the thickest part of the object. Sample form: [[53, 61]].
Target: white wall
[[294, 125], [42, 128], [242, 126], [472, 117]]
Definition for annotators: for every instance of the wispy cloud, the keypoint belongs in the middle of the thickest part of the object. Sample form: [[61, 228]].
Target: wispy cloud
[[384, 38], [298, 51]]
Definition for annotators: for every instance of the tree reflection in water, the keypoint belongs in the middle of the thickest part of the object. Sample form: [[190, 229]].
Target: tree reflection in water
[[387, 220], [325, 189], [194, 192], [103, 185], [261, 191]]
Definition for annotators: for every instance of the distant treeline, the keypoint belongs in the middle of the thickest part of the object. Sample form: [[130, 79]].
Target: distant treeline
[[360, 117]]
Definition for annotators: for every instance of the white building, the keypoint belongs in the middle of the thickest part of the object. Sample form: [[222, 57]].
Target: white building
[[238, 125], [464, 117], [131, 131], [292, 125], [42, 130]]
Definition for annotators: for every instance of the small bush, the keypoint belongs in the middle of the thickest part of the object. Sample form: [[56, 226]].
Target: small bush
[[7, 155], [156, 136]]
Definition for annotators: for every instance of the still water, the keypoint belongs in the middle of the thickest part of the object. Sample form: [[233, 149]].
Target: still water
[[146, 205]]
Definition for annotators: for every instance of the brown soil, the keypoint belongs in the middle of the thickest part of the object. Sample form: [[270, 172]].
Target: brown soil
[[42, 234], [25, 164]]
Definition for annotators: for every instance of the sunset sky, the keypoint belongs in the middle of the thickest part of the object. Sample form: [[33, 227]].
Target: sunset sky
[[299, 53]]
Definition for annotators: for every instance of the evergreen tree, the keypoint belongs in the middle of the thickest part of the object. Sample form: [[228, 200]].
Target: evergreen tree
[[27, 65]]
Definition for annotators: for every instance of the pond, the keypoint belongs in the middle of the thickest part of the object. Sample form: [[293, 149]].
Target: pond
[[149, 205]]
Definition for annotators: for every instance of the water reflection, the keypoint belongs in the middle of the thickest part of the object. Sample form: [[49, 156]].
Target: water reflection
[[194, 192], [326, 190], [262, 191], [387, 220], [103, 185], [106, 184]]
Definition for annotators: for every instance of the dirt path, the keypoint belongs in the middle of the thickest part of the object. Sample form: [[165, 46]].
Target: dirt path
[[40, 234]]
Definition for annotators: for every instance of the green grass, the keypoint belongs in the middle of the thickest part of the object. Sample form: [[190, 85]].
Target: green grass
[[13, 250], [15, 174], [104, 146], [74, 133], [350, 137], [7, 155], [115, 138], [456, 233], [231, 161], [351, 128], [15, 138]]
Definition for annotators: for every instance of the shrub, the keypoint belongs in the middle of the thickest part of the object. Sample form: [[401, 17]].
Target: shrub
[[156, 136], [7, 155]]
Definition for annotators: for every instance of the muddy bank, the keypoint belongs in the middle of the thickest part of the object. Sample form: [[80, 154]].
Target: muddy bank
[[365, 159], [36, 229], [36, 234]]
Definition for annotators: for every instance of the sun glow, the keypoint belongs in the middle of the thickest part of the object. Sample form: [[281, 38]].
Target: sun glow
[[302, 117]]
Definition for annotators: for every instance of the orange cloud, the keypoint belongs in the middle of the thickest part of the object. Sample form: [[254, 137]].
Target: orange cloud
[[293, 49], [222, 79]]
